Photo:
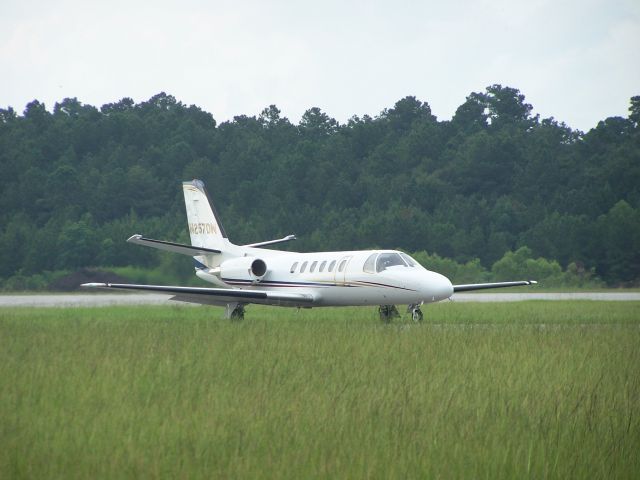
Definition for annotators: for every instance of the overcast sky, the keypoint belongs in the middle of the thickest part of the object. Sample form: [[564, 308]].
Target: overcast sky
[[575, 60]]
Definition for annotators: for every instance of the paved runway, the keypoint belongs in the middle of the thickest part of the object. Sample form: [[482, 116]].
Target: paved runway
[[106, 299], [519, 297]]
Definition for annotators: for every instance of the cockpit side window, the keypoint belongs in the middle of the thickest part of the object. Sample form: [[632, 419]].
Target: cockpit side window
[[370, 264], [386, 260]]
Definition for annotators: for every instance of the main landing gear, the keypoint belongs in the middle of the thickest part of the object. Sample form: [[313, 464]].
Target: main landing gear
[[234, 311], [388, 313]]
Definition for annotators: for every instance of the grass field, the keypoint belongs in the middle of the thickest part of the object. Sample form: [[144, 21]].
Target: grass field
[[518, 390]]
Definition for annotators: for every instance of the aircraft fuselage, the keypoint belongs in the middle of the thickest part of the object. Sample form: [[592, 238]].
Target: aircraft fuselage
[[334, 278]]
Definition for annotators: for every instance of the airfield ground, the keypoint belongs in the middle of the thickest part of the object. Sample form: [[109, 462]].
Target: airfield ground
[[108, 299], [503, 390]]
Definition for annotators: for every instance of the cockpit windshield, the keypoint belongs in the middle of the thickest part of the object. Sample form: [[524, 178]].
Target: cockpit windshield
[[386, 260], [378, 262], [410, 261]]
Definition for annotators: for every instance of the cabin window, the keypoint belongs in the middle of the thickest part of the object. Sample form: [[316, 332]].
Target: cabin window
[[293, 267], [342, 264], [410, 261], [386, 260], [331, 265], [313, 267], [322, 265], [370, 264], [303, 267]]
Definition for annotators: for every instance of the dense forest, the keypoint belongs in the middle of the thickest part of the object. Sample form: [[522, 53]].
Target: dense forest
[[79, 180]]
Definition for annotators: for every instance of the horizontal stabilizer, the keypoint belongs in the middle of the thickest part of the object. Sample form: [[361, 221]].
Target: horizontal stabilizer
[[483, 286], [216, 296], [272, 242], [171, 246]]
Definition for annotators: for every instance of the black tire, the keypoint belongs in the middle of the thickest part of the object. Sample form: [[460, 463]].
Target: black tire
[[387, 313], [237, 314]]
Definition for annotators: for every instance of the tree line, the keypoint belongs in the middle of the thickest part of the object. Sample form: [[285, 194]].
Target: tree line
[[79, 180]]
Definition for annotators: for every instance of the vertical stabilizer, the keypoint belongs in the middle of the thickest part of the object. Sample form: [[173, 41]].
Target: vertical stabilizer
[[205, 228]]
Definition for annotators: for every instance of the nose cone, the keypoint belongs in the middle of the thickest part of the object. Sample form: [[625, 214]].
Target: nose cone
[[437, 287]]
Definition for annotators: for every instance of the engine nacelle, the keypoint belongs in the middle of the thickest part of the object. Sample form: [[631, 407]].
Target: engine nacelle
[[243, 268]]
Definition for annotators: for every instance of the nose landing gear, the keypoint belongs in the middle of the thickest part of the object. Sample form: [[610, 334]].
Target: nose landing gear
[[416, 313]]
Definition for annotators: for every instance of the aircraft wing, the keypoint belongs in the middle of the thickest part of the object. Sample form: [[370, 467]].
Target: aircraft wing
[[483, 286], [216, 296]]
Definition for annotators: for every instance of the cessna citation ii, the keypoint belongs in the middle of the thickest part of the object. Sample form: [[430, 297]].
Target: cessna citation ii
[[245, 274]]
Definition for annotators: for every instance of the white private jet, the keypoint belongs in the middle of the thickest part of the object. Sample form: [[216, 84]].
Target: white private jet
[[245, 274]]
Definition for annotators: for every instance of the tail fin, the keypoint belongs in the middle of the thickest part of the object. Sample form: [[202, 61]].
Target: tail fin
[[204, 224]]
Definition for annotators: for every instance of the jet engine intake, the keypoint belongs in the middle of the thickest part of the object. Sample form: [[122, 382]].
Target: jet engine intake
[[258, 268], [244, 268]]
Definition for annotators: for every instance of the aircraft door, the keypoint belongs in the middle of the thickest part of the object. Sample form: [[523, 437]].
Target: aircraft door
[[341, 269]]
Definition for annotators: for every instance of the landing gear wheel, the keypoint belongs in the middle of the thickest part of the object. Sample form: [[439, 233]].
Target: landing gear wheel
[[416, 313], [388, 313], [238, 313], [234, 311]]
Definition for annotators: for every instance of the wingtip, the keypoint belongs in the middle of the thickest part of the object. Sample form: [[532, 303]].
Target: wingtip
[[94, 285], [533, 282], [135, 237]]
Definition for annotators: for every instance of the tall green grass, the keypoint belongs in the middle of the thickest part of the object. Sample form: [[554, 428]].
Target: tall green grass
[[534, 389]]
